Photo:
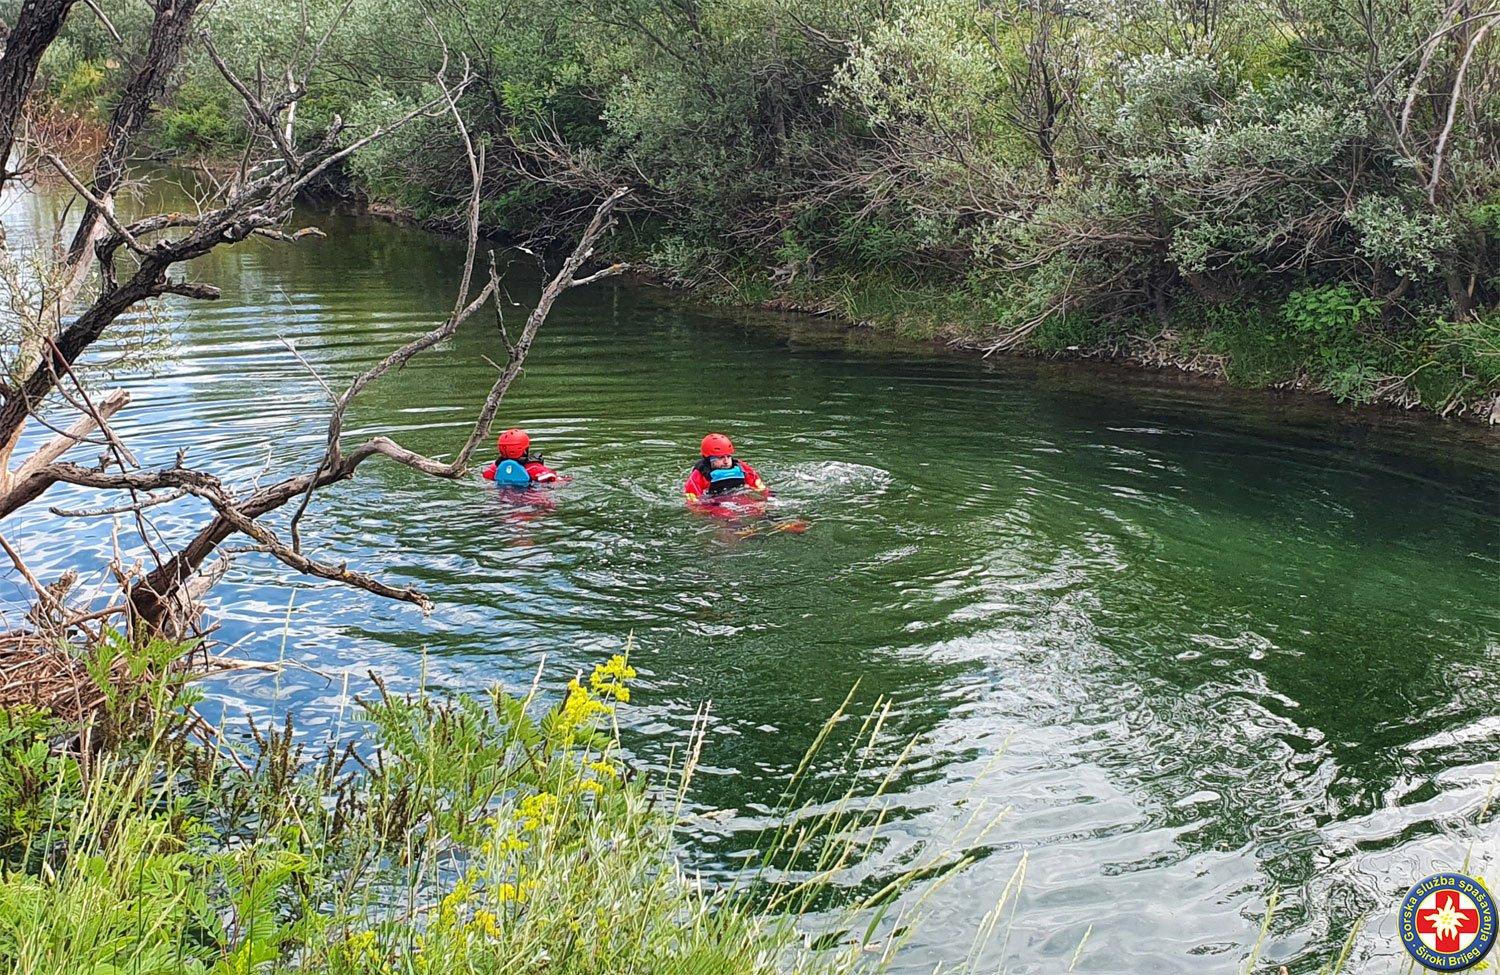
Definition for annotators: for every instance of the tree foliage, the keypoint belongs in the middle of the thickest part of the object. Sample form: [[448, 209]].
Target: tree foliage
[[1119, 163]]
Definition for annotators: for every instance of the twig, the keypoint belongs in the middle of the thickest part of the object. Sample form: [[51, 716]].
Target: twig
[[42, 592], [334, 397], [106, 212], [150, 501], [94, 7], [258, 111]]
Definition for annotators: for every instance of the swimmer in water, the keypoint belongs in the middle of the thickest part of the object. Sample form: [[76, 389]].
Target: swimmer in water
[[517, 466], [719, 474]]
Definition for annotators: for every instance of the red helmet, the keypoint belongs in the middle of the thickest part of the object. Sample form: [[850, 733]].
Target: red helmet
[[513, 444], [716, 445]]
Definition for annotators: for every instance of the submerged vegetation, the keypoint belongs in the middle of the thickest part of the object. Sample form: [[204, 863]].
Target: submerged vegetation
[[1276, 191]]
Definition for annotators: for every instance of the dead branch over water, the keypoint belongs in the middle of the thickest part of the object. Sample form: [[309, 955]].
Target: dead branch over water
[[113, 266]]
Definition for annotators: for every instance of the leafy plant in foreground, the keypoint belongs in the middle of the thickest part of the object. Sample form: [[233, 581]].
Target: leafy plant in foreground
[[492, 834]]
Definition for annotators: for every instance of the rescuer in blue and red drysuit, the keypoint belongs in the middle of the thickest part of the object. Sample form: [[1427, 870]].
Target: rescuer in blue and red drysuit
[[517, 466], [723, 485]]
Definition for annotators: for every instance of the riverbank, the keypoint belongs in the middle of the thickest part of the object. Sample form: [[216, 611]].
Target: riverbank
[[951, 318], [1274, 208], [933, 315]]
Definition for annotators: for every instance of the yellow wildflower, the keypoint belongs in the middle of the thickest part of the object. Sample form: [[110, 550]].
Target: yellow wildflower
[[591, 786], [516, 891], [360, 948], [487, 922], [609, 679], [449, 905], [580, 706], [606, 769], [536, 808], [616, 668], [513, 844]]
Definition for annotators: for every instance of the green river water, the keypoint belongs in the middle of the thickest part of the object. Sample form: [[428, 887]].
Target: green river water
[[1203, 644]]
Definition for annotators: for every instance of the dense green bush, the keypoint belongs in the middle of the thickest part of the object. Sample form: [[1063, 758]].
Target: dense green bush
[[73, 82], [199, 120]]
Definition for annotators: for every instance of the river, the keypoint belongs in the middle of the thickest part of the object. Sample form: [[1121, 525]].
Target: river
[[1201, 644]]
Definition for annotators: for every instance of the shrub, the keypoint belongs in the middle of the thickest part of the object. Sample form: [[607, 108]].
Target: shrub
[[1326, 324], [80, 89], [1456, 363], [197, 120], [73, 81]]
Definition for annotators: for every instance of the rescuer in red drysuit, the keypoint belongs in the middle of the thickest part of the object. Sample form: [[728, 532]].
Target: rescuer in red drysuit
[[721, 484], [517, 467]]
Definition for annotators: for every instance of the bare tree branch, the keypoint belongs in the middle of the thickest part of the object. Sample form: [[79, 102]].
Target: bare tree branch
[[150, 501], [1458, 88], [169, 33], [258, 112], [65, 441], [95, 9], [152, 598], [104, 210]]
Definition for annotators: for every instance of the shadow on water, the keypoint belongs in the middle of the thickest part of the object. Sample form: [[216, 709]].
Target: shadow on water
[[1202, 643]]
